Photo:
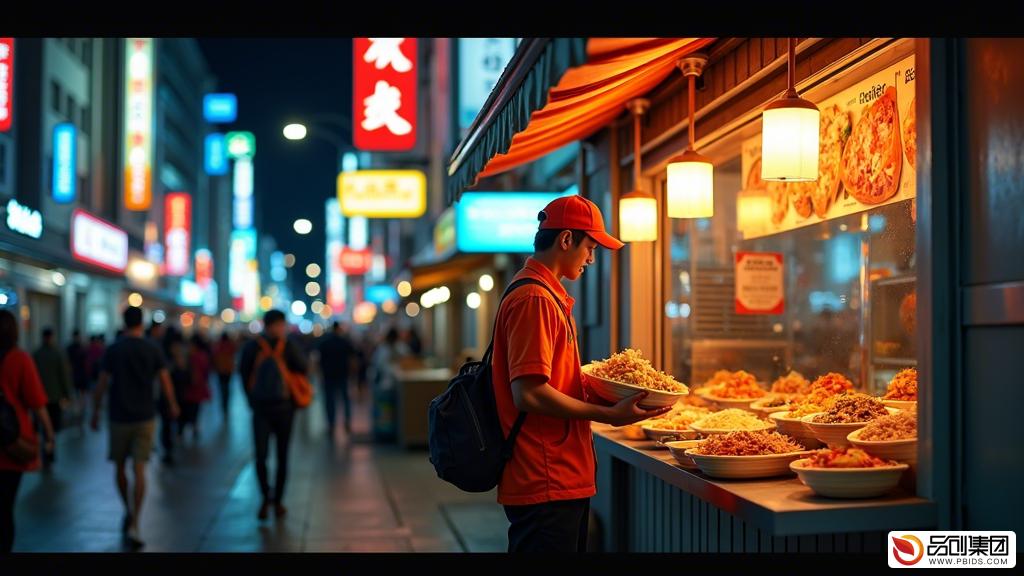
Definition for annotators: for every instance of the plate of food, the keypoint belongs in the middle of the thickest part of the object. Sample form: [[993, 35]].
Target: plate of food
[[848, 473], [849, 412], [746, 454], [792, 383], [892, 437], [677, 420], [902, 390], [793, 426], [730, 420], [770, 404], [627, 373], [738, 390]]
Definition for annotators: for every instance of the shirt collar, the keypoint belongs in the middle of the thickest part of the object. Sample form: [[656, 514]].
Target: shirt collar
[[535, 268]]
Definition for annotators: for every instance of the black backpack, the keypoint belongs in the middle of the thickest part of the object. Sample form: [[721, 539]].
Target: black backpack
[[467, 445]]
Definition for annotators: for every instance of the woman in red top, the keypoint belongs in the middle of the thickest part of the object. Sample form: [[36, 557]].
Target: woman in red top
[[22, 389], [198, 390]]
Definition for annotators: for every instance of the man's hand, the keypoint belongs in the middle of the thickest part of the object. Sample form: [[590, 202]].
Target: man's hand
[[628, 411]]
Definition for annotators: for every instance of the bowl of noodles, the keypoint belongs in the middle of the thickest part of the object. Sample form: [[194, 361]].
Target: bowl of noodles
[[628, 373]]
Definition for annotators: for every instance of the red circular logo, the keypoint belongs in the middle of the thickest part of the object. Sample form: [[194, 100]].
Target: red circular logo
[[907, 545]]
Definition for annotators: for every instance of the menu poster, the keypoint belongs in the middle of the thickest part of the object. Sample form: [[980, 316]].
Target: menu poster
[[759, 287], [867, 149]]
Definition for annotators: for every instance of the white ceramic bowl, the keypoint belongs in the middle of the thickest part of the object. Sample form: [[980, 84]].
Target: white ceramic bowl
[[745, 466], [766, 427], [657, 434], [908, 405], [724, 403], [849, 482], [613, 391], [678, 449], [795, 429], [899, 450], [834, 434]]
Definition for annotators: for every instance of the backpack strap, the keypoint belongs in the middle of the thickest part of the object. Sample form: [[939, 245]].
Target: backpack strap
[[264, 353], [506, 449]]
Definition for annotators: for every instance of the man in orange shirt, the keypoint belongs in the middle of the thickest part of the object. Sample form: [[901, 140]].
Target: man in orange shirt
[[546, 486]]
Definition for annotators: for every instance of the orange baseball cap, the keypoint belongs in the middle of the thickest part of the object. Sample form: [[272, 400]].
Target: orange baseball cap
[[577, 213]]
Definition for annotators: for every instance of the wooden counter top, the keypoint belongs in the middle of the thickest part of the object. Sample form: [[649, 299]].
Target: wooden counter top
[[782, 506]]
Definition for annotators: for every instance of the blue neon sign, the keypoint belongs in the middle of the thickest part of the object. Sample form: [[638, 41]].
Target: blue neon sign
[[216, 155], [381, 293], [65, 156], [495, 222], [220, 108]]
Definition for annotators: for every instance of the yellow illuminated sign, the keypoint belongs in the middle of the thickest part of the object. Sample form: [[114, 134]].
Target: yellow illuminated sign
[[383, 193]]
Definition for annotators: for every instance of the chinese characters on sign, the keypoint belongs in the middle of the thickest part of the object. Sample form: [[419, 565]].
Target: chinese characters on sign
[[481, 62], [98, 242], [65, 173], [383, 193], [385, 97], [937, 549], [138, 122], [177, 228], [24, 220], [759, 286], [6, 83]]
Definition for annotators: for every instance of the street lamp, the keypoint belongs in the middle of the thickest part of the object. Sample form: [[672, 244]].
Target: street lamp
[[295, 131]]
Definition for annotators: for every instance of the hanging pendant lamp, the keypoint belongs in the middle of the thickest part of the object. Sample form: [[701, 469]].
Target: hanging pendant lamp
[[789, 134], [691, 185], [638, 210]]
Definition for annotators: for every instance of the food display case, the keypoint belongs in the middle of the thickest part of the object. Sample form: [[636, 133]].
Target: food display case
[[814, 277]]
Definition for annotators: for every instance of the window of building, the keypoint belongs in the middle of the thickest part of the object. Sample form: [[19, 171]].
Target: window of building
[[6, 165], [85, 122], [71, 111], [87, 52], [55, 96]]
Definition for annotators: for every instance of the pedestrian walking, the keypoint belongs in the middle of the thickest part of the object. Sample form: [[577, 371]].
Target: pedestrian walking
[[129, 369], [336, 353], [273, 409], [224, 363], [77, 358], [198, 390], [56, 377], [21, 389]]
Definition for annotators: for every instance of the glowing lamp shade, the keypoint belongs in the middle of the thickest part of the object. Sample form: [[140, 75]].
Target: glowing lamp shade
[[638, 217], [789, 141], [753, 211], [691, 186]]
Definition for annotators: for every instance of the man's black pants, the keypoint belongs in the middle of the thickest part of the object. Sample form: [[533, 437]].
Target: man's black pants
[[559, 526], [276, 420]]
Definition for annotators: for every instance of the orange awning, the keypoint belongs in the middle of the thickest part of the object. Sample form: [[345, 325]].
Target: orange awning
[[586, 98]]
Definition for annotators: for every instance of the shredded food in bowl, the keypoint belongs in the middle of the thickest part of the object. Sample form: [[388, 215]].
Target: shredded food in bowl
[[899, 426], [748, 443], [679, 418], [740, 385], [730, 419], [852, 408], [631, 367], [792, 383], [822, 395], [903, 386], [846, 458]]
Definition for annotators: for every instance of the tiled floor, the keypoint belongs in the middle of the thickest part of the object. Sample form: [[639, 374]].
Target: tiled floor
[[346, 495]]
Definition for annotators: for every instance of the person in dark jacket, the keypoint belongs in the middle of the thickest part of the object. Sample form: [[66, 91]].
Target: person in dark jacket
[[335, 357], [53, 371], [78, 359], [272, 406]]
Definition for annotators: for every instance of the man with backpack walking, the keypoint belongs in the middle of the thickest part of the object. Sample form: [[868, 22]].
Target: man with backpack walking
[[546, 485], [273, 406]]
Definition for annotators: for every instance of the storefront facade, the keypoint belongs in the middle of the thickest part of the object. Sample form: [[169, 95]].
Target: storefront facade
[[927, 277]]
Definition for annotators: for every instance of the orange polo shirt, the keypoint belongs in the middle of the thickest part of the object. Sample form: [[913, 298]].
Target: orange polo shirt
[[553, 458]]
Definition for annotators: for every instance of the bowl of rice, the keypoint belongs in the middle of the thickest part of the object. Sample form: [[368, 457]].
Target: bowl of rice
[[746, 454], [628, 373], [892, 437], [730, 420], [678, 420], [849, 412]]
